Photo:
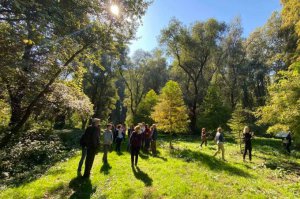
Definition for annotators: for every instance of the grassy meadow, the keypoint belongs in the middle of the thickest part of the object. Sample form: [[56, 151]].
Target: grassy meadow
[[188, 171]]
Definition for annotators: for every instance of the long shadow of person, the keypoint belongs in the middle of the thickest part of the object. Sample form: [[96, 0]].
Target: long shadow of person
[[105, 168], [140, 175], [82, 188], [160, 157]]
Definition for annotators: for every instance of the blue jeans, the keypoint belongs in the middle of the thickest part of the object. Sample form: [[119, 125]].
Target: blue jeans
[[83, 156]]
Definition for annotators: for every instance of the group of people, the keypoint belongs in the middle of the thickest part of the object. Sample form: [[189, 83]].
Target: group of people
[[143, 137], [219, 140], [139, 137]]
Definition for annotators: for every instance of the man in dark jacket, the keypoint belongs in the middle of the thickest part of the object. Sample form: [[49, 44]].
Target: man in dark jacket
[[91, 139]]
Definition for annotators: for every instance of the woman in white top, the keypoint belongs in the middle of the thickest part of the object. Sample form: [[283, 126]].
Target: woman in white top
[[119, 138], [219, 139]]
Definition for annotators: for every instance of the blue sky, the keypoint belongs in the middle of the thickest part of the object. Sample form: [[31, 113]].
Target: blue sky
[[254, 13]]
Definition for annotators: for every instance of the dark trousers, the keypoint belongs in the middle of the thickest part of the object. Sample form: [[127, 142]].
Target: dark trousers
[[153, 147], [204, 141], [288, 145], [134, 155], [118, 145], [83, 156], [106, 148], [248, 148], [147, 143], [90, 156]]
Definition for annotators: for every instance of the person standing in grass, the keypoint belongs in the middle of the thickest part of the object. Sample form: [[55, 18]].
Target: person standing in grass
[[143, 128], [119, 138], [248, 145], [203, 137], [130, 130], [135, 145], [288, 142], [108, 139], [91, 139], [153, 140], [219, 139], [83, 154], [147, 137]]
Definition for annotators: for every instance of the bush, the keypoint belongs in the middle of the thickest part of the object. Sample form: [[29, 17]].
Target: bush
[[36, 150]]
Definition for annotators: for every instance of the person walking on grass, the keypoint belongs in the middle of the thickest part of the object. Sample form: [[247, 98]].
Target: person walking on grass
[[248, 145], [203, 137], [91, 140], [135, 145], [119, 138], [108, 139], [219, 139]]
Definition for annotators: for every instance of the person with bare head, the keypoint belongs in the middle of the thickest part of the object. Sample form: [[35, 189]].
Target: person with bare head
[[247, 139], [107, 142], [153, 139], [119, 138], [91, 140], [203, 137], [219, 139], [135, 144]]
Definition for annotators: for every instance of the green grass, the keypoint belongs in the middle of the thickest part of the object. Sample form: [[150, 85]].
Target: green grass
[[186, 172]]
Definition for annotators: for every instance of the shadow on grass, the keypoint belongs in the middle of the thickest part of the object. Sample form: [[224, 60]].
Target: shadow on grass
[[144, 155], [209, 161], [82, 188], [105, 168], [160, 157], [140, 175], [120, 153]]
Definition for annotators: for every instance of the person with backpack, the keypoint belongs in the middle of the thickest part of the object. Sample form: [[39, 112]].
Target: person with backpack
[[247, 139], [219, 139], [108, 139], [203, 137], [135, 145], [91, 140]]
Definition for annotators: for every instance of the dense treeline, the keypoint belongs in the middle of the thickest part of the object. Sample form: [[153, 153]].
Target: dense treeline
[[66, 61]]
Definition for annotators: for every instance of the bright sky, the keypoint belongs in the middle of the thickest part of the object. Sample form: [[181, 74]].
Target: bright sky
[[254, 13]]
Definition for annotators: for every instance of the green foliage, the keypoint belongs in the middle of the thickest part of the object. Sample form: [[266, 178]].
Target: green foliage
[[146, 107], [184, 172], [214, 113], [170, 112], [238, 119], [43, 41], [282, 111], [4, 113], [195, 51]]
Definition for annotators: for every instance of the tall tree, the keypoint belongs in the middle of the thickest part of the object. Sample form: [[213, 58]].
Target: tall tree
[[146, 108], [170, 112], [40, 40], [193, 50]]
